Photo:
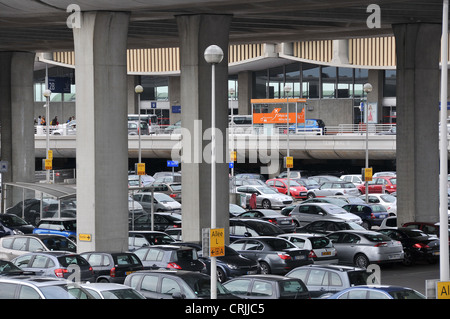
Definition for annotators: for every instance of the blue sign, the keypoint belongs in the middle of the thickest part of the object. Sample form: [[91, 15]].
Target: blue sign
[[176, 108], [172, 163], [59, 84], [153, 105], [230, 165]]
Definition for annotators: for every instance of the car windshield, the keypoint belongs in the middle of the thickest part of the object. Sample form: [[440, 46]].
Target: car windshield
[[293, 183], [59, 243], [393, 181], [6, 266], [64, 291], [186, 254], [336, 210], [388, 198], [279, 244], [202, 286], [265, 228], [161, 197], [12, 220], [320, 242], [70, 225], [176, 187], [267, 190], [121, 294], [357, 278], [406, 294]]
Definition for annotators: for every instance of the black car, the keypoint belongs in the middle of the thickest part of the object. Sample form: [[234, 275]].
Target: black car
[[170, 257], [15, 224], [161, 221], [171, 284], [267, 287], [417, 245], [243, 228], [112, 266], [7, 268], [286, 223], [231, 265], [143, 238], [327, 226], [274, 255]]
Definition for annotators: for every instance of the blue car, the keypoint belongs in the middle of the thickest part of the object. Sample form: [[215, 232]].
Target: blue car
[[310, 125], [377, 292], [371, 214], [58, 226]]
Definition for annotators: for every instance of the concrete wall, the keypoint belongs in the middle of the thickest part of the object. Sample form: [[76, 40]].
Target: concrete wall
[[332, 111]]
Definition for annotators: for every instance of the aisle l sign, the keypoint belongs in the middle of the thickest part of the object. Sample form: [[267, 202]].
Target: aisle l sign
[[217, 242]]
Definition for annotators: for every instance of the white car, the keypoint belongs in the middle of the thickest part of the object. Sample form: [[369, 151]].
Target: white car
[[387, 200], [353, 178], [333, 188], [321, 248], [162, 202], [266, 197], [111, 291]]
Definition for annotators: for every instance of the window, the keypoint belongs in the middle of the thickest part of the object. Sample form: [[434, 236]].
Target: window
[[154, 254], [239, 286], [345, 83], [22, 261], [35, 245], [329, 75], [335, 280], [26, 292], [300, 274], [6, 243], [169, 286], [149, 283], [310, 80], [317, 278], [19, 244], [39, 262], [7, 290], [95, 260], [261, 288]]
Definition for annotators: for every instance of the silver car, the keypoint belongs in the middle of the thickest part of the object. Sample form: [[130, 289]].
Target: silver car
[[332, 188], [266, 197], [363, 247], [162, 202], [321, 248], [304, 214]]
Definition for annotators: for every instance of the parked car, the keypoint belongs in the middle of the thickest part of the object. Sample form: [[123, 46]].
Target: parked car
[[243, 228], [349, 199], [36, 287], [134, 208], [161, 221], [309, 183], [293, 174], [17, 245], [162, 202], [143, 238], [266, 197], [309, 125], [371, 215], [320, 247], [7, 268], [231, 265], [170, 257], [171, 189], [364, 247], [267, 287], [167, 177], [325, 178], [387, 200], [15, 224], [327, 226], [385, 173], [378, 292], [171, 284], [326, 279], [250, 176], [135, 129], [175, 233], [427, 228], [236, 210], [66, 227], [329, 199], [352, 178], [333, 188], [56, 264], [306, 213], [295, 189], [111, 291], [381, 184], [146, 180], [286, 223], [236, 182], [274, 255], [416, 244], [112, 266]]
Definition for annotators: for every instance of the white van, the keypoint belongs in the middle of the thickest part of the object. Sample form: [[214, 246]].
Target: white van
[[151, 119]]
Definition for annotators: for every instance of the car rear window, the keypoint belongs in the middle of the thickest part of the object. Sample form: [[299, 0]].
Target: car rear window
[[67, 260], [377, 237], [186, 254], [127, 260], [59, 243], [357, 278], [320, 242], [289, 288]]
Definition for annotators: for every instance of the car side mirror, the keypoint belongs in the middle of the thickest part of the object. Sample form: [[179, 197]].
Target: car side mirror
[[178, 295], [247, 234]]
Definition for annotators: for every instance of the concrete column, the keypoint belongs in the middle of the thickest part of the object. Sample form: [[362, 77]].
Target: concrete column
[[376, 96], [197, 32], [102, 141], [16, 115], [418, 52], [245, 86], [174, 98]]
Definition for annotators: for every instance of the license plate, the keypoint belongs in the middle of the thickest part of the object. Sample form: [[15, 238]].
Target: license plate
[[299, 257], [326, 253], [251, 272], [129, 272], [302, 194], [285, 222], [382, 216], [397, 256], [435, 253]]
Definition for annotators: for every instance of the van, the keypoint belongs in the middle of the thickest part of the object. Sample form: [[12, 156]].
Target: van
[[150, 119], [133, 128], [240, 120]]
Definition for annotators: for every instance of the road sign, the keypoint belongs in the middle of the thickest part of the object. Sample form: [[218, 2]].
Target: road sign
[[59, 84], [230, 165], [140, 168], [367, 174], [172, 163], [217, 242], [48, 164], [233, 156], [50, 155], [443, 290], [289, 162], [3, 166], [85, 237]]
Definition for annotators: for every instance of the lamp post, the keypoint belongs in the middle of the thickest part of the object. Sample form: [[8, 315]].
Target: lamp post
[[139, 89], [287, 89], [47, 94], [367, 89], [213, 55]]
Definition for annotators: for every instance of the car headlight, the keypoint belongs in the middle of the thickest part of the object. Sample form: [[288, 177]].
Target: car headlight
[[232, 266], [17, 232]]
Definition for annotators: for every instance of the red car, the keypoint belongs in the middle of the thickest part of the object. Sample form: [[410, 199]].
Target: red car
[[380, 184], [297, 190]]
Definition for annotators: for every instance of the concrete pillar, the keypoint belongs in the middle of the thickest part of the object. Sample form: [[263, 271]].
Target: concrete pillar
[[17, 117], [102, 140], [376, 96], [418, 52], [196, 33], [174, 98], [245, 86]]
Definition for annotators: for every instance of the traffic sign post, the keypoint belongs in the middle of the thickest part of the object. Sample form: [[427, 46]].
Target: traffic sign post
[[289, 162], [217, 242], [140, 169]]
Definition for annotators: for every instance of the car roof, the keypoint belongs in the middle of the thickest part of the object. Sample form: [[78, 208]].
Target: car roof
[[101, 286], [40, 236], [55, 253], [178, 273], [38, 281], [343, 268], [270, 277]]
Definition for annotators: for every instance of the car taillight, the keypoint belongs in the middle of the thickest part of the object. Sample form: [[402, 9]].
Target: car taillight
[[312, 254], [273, 221], [112, 272], [60, 272], [173, 266], [381, 245], [420, 245], [284, 256], [372, 216], [173, 195]]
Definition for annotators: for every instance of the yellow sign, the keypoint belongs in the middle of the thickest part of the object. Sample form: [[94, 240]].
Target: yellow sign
[[84, 237], [217, 242], [233, 156], [50, 155], [289, 162], [141, 168], [443, 290], [48, 164], [368, 174]]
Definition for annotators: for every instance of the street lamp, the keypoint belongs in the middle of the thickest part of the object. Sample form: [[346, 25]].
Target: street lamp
[[287, 90], [213, 55], [367, 89], [139, 89], [47, 94]]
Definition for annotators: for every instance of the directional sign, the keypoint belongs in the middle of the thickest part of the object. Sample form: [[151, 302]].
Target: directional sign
[[48, 164], [367, 174], [59, 84], [140, 168], [289, 162], [85, 237], [50, 155], [217, 242], [443, 290], [172, 163]]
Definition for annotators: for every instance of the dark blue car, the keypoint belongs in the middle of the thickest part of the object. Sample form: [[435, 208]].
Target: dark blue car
[[371, 214]]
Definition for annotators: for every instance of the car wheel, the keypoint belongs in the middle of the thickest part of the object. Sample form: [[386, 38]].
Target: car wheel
[[366, 224], [36, 220], [407, 259], [265, 268], [310, 195], [103, 280], [361, 261], [266, 204], [221, 276]]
